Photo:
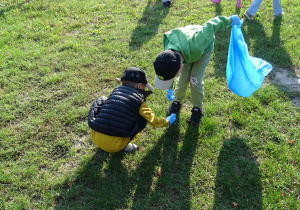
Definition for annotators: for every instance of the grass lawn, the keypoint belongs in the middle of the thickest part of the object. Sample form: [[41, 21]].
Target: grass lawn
[[58, 56]]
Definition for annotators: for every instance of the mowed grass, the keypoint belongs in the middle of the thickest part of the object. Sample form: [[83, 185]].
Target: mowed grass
[[58, 56]]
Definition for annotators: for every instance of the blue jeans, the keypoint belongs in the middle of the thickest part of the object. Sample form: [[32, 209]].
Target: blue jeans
[[256, 4]]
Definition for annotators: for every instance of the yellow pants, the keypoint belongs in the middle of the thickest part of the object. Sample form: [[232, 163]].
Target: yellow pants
[[109, 143]]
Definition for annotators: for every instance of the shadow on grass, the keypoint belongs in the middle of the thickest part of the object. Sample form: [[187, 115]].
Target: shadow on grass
[[272, 50], [269, 49], [147, 27], [219, 9], [102, 180], [238, 180], [172, 188], [105, 183], [221, 46]]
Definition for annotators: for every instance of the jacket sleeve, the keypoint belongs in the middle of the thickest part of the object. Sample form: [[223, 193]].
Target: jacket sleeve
[[215, 24], [147, 113], [195, 40]]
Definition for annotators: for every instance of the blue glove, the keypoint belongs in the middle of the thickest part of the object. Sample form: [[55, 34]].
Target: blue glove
[[235, 20], [171, 118], [169, 95]]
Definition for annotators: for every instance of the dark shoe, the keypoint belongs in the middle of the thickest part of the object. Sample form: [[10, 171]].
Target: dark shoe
[[195, 117], [248, 16], [173, 108], [167, 4], [130, 148], [280, 15]]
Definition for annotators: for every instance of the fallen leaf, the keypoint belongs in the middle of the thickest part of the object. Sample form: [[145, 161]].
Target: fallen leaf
[[291, 141], [159, 171], [141, 149], [234, 204]]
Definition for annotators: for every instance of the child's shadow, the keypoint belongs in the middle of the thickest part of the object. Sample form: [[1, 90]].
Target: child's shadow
[[169, 162], [238, 180], [102, 179], [270, 49], [259, 45], [219, 9], [147, 27], [221, 46]]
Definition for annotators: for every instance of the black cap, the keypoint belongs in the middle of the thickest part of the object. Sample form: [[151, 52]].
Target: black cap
[[167, 64], [137, 75]]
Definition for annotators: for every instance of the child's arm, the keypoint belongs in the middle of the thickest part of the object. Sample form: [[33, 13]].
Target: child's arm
[[147, 113], [215, 24]]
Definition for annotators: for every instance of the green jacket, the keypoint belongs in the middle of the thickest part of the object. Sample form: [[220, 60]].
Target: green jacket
[[195, 40]]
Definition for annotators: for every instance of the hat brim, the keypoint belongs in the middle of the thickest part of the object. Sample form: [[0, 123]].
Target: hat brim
[[150, 87], [163, 84]]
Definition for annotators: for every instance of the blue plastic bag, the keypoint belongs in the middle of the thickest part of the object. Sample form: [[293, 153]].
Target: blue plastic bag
[[245, 74]]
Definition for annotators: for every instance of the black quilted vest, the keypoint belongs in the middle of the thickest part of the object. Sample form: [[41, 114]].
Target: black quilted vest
[[119, 114]]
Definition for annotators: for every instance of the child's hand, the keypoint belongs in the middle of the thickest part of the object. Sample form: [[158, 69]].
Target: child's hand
[[169, 95], [235, 20], [171, 118]]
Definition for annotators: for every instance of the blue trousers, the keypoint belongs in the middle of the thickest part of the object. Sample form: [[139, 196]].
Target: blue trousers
[[256, 4]]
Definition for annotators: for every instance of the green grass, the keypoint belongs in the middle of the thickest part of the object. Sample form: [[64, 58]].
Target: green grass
[[58, 56]]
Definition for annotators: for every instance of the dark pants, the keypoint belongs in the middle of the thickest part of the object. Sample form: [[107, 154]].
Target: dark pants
[[142, 122]]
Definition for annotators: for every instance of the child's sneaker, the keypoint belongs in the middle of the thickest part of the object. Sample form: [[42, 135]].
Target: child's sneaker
[[173, 108], [238, 4], [280, 15], [167, 4], [248, 16], [195, 117], [130, 148]]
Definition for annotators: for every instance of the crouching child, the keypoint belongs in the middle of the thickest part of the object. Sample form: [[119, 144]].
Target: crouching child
[[116, 120]]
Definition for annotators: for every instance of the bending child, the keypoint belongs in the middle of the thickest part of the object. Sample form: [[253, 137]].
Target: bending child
[[116, 120], [187, 52]]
